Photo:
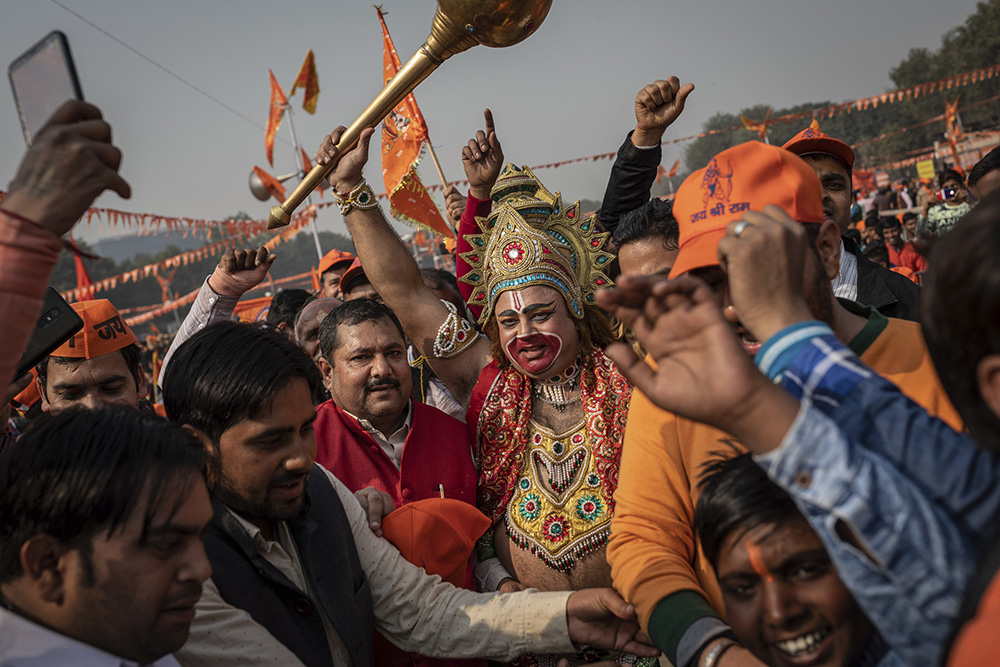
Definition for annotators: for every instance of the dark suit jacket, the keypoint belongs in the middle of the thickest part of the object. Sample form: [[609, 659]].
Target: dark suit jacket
[[329, 558]]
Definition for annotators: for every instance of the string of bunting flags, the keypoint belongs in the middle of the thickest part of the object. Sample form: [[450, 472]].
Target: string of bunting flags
[[302, 219], [152, 312]]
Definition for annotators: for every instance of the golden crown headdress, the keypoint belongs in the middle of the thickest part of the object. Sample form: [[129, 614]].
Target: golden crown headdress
[[529, 238]]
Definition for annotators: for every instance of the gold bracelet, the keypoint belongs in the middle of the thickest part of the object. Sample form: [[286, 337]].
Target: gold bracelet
[[362, 197]]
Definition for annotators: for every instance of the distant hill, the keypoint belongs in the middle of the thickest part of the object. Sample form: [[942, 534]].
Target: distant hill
[[120, 248]]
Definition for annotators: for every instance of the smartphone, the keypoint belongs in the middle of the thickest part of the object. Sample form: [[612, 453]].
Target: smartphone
[[56, 325], [42, 78], [946, 194]]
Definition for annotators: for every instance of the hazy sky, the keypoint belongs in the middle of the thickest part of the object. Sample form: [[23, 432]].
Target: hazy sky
[[566, 92]]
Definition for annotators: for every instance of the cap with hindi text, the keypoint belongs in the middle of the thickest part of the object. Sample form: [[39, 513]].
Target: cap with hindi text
[[743, 178], [104, 331]]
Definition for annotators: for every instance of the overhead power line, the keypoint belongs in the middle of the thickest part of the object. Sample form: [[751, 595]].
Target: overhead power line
[[163, 68]]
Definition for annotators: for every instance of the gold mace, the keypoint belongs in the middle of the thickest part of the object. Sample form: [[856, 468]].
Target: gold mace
[[458, 26]]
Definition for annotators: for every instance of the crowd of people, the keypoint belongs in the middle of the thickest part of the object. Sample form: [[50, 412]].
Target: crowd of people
[[755, 423]]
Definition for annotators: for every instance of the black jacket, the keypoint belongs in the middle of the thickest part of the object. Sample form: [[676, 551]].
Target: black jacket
[[889, 292], [330, 562]]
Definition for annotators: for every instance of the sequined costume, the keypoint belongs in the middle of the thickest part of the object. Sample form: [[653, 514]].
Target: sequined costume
[[553, 491]]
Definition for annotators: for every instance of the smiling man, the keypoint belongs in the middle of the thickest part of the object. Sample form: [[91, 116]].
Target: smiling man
[[97, 367], [784, 599], [299, 576], [101, 554], [656, 561]]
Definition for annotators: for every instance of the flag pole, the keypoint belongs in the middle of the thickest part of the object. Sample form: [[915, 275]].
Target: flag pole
[[302, 172], [444, 181]]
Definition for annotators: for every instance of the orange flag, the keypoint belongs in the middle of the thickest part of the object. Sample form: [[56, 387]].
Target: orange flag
[[403, 134], [760, 128], [307, 167], [308, 81], [272, 184], [83, 282], [673, 169], [278, 100]]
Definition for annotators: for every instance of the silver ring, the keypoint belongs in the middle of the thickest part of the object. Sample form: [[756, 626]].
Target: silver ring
[[740, 226]]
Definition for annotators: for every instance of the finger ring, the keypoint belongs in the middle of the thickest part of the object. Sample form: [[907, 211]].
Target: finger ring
[[740, 226]]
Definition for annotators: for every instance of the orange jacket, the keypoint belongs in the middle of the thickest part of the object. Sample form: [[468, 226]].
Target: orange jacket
[[653, 551]]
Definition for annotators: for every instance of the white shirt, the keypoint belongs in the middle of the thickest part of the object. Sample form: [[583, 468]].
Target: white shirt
[[416, 611], [845, 285], [27, 644], [393, 444]]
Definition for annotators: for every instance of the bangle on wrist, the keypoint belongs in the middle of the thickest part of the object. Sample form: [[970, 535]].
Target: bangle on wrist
[[361, 197], [712, 656]]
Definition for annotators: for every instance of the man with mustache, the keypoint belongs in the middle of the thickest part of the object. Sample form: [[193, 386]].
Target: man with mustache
[[546, 406], [372, 434], [656, 561]]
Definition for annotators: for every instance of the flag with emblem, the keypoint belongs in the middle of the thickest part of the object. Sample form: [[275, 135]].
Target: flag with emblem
[[403, 135]]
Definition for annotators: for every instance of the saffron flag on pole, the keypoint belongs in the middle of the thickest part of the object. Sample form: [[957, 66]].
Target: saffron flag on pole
[[272, 184], [309, 82], [673, 169], [403, 135], [274, 116]]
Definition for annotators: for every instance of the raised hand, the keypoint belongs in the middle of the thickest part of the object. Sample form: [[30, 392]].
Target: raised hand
[[240, 270], [483, 159], [657, 106], [766, 265], [454, 202], [70, 163], [600, 617], [349, 170], [702, 372]]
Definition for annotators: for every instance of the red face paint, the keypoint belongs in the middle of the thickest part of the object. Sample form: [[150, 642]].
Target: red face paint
[[534, 353], [757, 561]]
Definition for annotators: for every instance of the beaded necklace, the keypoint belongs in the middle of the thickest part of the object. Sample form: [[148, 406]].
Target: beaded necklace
[[553, 391]]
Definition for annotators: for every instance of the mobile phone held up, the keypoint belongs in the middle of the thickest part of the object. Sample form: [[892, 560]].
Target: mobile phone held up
[[946, 194], [57, 323], [42, 78]]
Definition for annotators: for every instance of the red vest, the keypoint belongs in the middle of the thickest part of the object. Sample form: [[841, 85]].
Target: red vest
[[437, 451]]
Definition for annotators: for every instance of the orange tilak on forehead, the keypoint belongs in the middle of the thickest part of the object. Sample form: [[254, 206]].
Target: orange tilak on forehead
[[757, 561]]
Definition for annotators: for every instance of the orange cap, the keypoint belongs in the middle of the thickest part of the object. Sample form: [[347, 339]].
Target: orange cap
[[28, 397], [743, 178], [813, 140], [353, 272], [103, 331], [437, 534], [333, 258]]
